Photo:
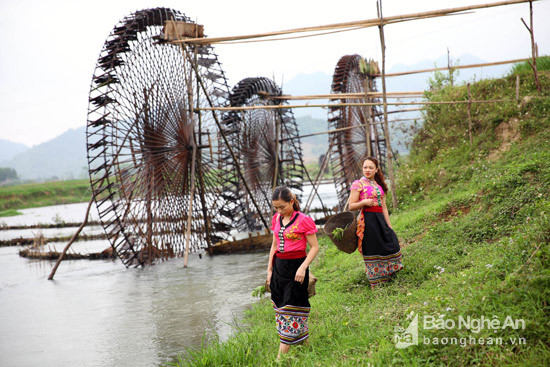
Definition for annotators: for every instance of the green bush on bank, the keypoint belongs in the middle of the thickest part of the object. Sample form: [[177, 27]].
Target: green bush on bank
[[43, 194], [474, 222]]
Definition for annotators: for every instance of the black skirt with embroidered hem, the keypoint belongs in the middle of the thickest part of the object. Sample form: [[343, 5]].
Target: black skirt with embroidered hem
[[381, 250], [290, 300]]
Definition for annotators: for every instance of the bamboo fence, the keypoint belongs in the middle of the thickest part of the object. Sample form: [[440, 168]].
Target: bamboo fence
[[355, 24], [379, 22]]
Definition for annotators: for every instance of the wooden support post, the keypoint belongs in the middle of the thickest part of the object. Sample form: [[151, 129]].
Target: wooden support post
[[470, 114], [277, 137], [368, 122], [318, 180], [62, 256], [517, 88], [386, 127], [190, 212], [534, 51], [201, 188], [224, 137], [449, 64]]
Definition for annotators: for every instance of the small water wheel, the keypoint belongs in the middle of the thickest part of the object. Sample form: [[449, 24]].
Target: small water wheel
[[357, 140], [268, 149], [150, 155]]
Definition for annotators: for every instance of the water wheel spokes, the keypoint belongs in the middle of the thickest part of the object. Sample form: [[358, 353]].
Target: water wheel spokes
[[142, 132], [363, 136], [266, 161]]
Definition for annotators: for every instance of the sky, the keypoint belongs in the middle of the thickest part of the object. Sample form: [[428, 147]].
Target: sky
[[49, 48]]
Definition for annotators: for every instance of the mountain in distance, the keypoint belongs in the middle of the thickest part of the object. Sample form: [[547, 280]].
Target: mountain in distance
[[307, 84], [9, 149], [416, 82], [63, 157], [311, 120], [320, 82]]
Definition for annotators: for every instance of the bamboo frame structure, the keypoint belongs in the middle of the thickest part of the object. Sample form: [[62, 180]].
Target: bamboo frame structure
[[389, 153], [344, 128], [533, 61], [379, 22], [366, 95], [224, 137], [353, 104], [354, 24], [456, 67]]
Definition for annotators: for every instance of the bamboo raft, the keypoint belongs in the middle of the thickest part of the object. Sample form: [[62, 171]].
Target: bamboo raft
[[260, 242], [21, 241], [31, 253]]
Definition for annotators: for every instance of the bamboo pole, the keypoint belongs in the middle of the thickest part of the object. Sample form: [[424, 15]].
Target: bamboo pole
[[469, 114], [318, 179], [274, 107], [343, 129], [277, 141], [449, 63], [360, 23], [190, 212], [62, 256], [517, 88], [368, 127], [533, 62], [224, 137], [389, 153], [455, 67], [365, 95]]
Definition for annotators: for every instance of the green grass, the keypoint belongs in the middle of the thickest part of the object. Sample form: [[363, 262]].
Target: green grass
[[43, 194], [475, 230], [9, 213], [543, 63]]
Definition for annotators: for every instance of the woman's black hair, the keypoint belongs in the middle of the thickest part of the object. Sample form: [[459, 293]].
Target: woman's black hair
[[283, 193]]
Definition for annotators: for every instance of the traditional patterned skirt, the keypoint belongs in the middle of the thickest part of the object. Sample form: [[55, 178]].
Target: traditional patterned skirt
[[381, 251], [290, 300]]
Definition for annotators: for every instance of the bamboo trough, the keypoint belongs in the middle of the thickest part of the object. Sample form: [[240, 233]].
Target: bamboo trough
[[275, 107], [350, 25], [34, 254], [258, 242]]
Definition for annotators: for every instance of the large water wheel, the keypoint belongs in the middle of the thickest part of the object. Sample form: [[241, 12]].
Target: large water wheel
[[150, 154], [362, 134], [268, 149]]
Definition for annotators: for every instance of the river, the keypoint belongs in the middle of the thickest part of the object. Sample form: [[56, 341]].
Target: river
[[98, 313]]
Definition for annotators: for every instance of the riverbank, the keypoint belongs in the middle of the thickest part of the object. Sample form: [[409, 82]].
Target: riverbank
[[17, 197], [474, 222]]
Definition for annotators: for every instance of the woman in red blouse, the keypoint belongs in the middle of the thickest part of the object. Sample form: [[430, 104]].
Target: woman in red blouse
[[287, 269], [377, 240]]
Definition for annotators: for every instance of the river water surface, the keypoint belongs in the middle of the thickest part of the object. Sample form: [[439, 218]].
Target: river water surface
[[98, 313]]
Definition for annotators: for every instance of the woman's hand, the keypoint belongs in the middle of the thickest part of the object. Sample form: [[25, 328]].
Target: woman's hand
[[368, 202], [269, 272], [300, 275]]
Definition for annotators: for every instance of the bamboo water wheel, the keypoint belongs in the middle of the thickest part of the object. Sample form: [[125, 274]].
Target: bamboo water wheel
[[150, 155], [268, 149], [351, 146]]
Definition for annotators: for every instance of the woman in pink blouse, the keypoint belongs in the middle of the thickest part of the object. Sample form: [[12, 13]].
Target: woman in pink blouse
[[287, 269], [377, 241]]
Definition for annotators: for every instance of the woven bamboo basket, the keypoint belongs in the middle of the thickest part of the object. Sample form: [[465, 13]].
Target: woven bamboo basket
[[346, 221]]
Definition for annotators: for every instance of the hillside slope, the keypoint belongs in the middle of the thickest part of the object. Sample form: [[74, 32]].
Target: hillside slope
[[474, 224], [63, 157]]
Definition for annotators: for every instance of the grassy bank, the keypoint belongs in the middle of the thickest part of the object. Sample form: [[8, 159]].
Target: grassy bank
[[17, 197], [474, 223]]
